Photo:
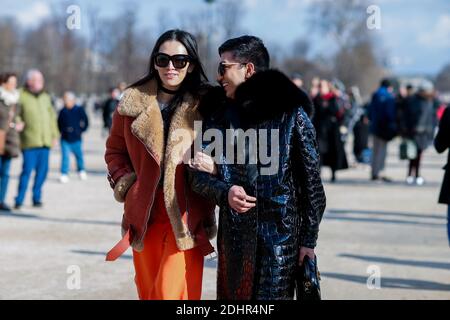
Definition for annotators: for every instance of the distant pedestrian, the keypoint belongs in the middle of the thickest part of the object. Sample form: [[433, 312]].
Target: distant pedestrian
[[442, 143], [72, 122], [361, 134], [10, 127], [327, 120], [39, 135], [315, 87], [358, 124], [109, 106], [402, 100], [420, 118], [383, 126]]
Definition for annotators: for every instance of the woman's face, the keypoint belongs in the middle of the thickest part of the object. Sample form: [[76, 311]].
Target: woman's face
[[171, 77], [10, 84]]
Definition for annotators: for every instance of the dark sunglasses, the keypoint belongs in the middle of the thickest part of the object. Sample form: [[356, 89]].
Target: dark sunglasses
[[223, 66], [179, 61]]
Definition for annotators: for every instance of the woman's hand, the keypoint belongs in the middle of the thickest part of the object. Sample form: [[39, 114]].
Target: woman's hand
[[203, 162]]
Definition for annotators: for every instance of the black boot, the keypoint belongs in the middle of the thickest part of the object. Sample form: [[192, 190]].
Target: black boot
[[333, 176], [38, 204], [4, 207]]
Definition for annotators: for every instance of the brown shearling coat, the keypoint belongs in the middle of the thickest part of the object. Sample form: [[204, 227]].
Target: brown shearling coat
[[135, 151]]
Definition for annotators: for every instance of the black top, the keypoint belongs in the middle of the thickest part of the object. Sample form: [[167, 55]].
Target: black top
[[167, 114]]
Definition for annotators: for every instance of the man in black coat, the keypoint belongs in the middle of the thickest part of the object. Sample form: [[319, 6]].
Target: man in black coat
[[270, 211], [109, 106], [442, 143]]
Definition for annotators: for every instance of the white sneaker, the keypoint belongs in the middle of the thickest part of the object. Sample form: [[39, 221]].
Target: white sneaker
[[82, 175], [410, 180], [64, 178], [420, 181]]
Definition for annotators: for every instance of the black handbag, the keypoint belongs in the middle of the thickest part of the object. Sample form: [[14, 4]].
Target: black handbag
[[307, 280]]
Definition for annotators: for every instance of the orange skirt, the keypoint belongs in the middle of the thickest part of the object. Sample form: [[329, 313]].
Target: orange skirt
[[163, 272]]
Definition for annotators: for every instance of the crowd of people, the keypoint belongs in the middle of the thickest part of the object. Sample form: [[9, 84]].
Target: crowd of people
[[411, 113], [32, 122], [31, 127]]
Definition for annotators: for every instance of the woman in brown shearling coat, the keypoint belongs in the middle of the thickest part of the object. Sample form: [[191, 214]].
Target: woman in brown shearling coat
[[168, 226]]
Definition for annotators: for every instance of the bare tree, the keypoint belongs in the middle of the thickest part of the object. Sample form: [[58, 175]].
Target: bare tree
[[230, 14], [218, 21], [164, 20], [338, 19], [9, 39], [356, 62], [301, 48], [39, 48], [201, 25], [443, 79], [109, 52], [94, 22], [125, 44]]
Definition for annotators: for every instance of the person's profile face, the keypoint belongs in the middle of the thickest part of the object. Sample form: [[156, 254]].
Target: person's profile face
[[233, 73]]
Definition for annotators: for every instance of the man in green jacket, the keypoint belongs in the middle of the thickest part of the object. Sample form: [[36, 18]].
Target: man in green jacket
[[39, 135]]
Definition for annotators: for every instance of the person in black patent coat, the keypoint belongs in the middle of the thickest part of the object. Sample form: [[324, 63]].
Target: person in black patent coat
[[261, 242]]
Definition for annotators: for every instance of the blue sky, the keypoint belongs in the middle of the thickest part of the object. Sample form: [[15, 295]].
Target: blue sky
[[415, 34]]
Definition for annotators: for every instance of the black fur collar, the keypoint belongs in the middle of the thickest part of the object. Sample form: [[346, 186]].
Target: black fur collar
[[264, 96], [268, 94], [213, 103]]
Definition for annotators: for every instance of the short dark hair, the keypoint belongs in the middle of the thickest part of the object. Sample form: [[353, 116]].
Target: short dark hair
[[386, 83], [248, 49]]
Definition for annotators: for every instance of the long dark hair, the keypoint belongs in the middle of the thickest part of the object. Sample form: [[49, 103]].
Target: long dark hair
[[195, 81]]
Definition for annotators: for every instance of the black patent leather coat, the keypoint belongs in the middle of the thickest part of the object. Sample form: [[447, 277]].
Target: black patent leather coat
[[258, 250]]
